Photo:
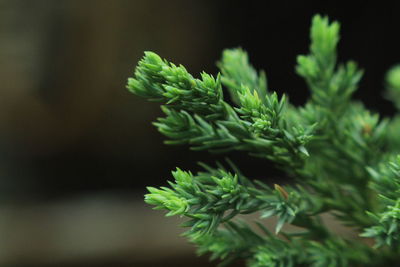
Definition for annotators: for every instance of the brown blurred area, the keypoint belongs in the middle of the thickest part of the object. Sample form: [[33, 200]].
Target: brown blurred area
[[64, 69], [74, 143]]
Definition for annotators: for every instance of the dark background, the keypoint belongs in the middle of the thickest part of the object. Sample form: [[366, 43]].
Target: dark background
[[68, 126]]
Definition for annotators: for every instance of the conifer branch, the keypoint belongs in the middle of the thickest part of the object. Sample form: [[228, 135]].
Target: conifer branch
[[343, 159]]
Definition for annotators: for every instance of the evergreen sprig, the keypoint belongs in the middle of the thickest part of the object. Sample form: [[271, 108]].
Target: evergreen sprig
[[341, 156]]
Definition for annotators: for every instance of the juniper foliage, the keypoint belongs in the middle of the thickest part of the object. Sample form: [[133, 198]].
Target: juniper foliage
[[342, 157]]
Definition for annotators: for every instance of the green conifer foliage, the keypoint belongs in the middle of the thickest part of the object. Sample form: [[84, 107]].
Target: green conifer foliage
[[341, 156]]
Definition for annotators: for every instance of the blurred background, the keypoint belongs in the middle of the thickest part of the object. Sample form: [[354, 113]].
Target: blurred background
[[77, 149]]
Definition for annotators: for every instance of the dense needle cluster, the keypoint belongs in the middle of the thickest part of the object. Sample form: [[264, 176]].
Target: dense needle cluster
[[342, 157]]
